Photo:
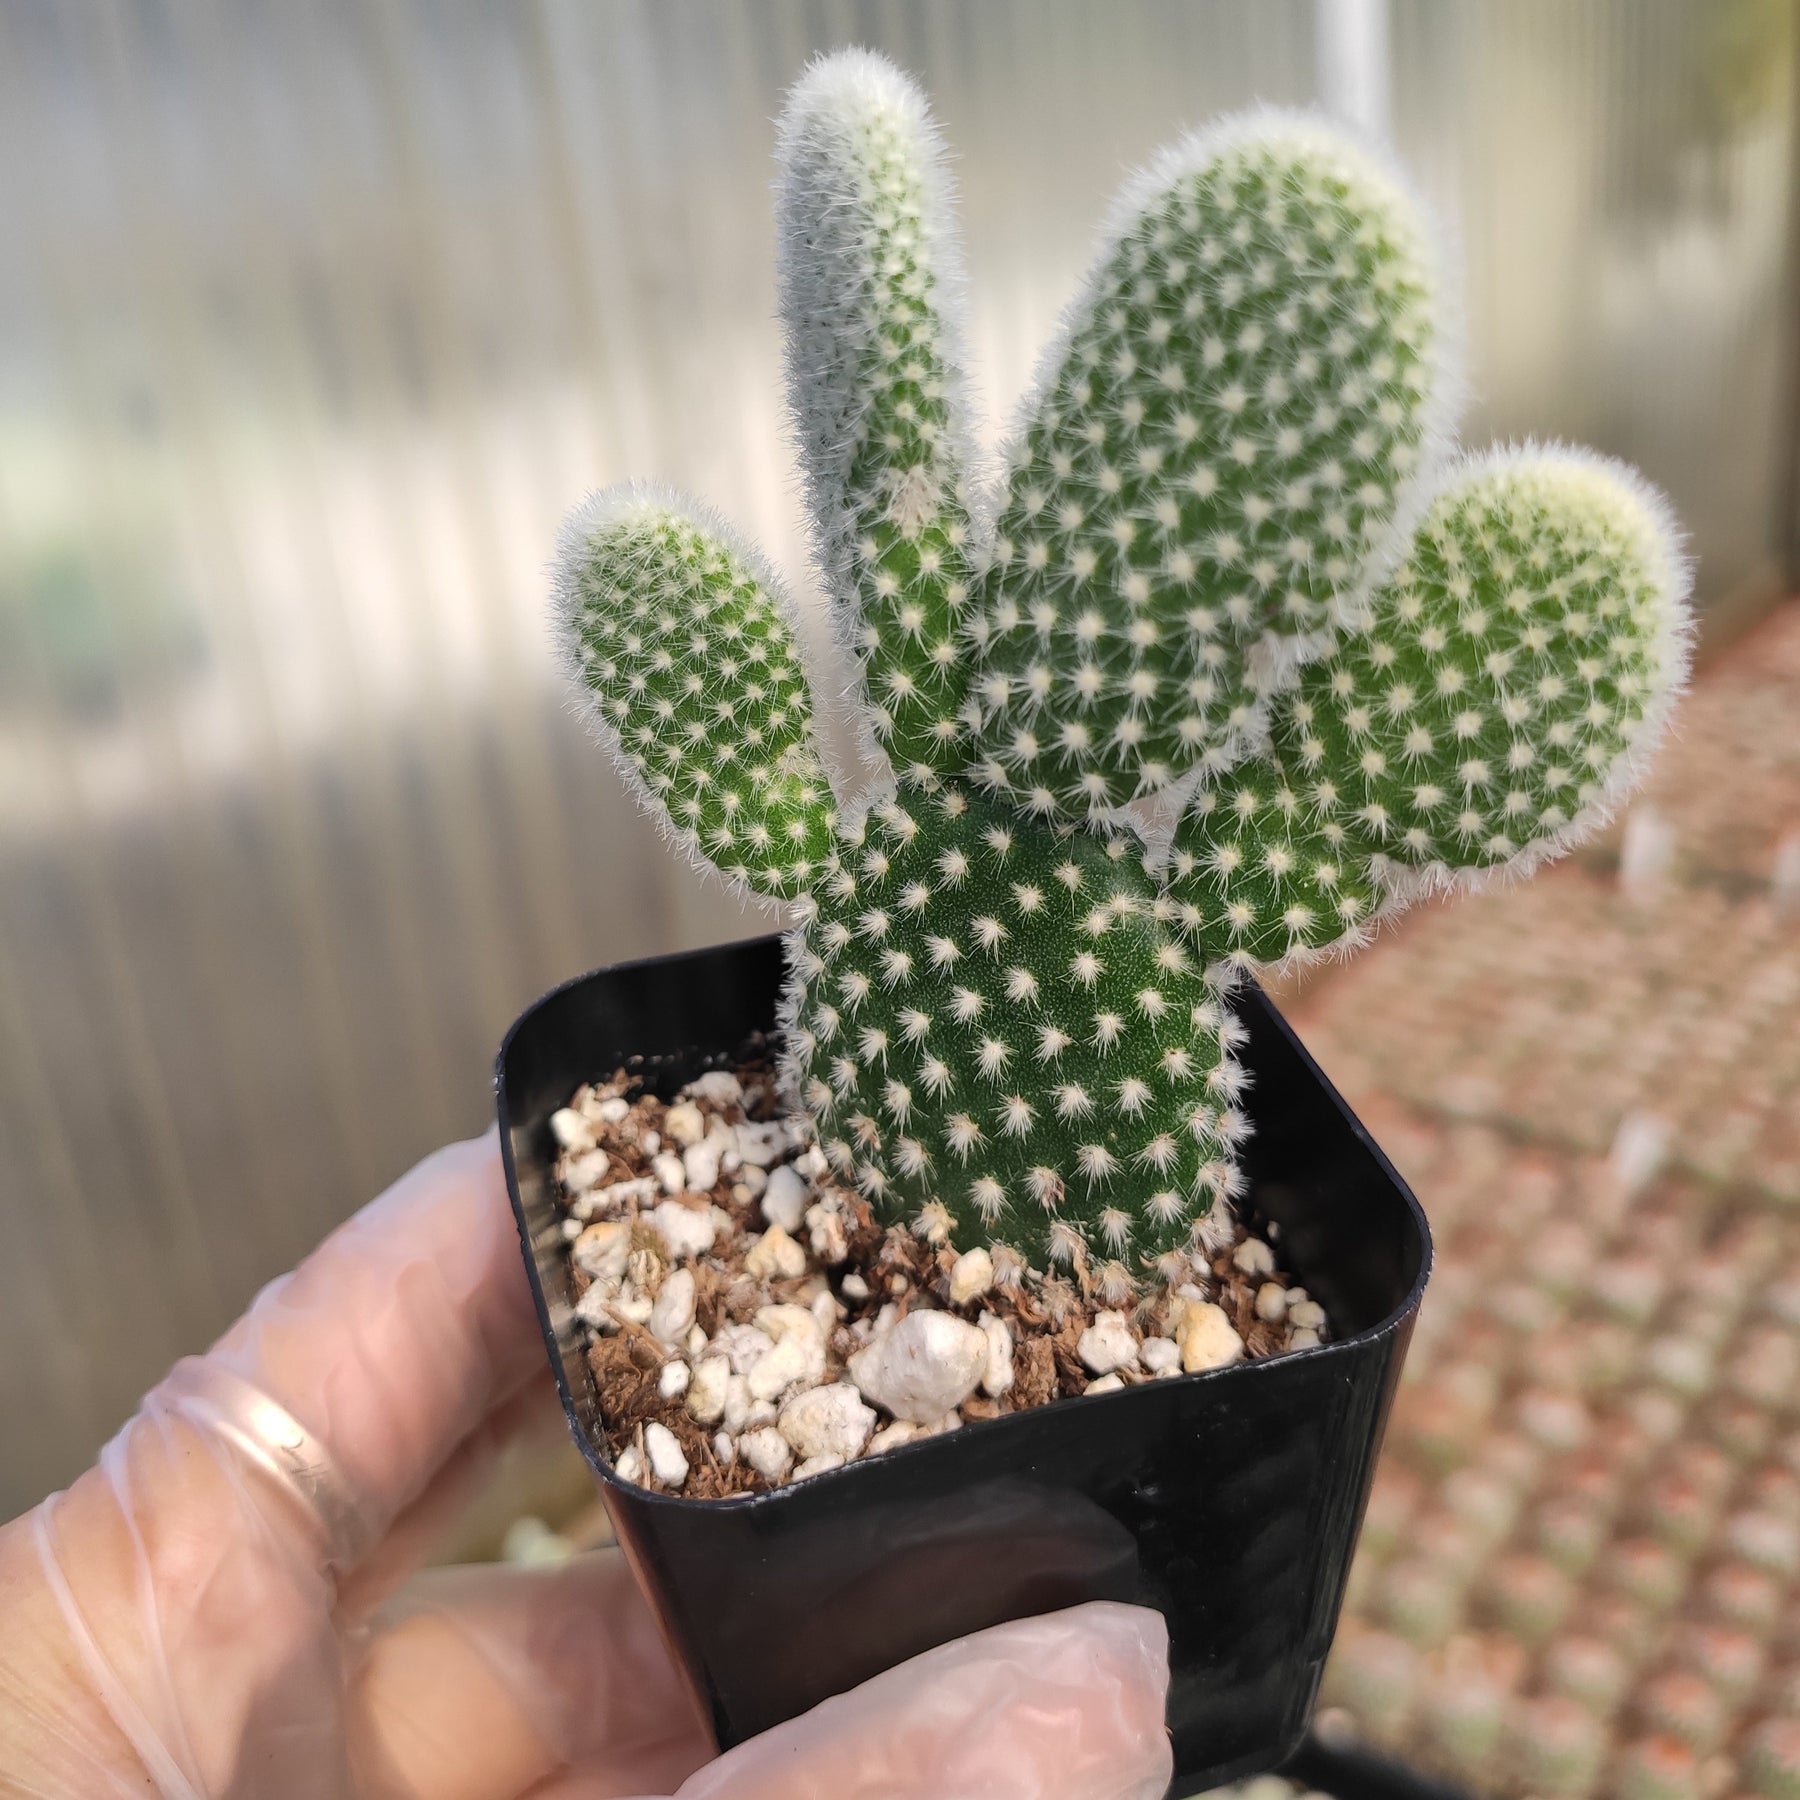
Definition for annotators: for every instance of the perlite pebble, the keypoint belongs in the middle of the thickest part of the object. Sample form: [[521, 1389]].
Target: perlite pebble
[[891, 1437], [825, 1232], [1107, 1345], [673, 1313], [817, 1465], [700, 1165], [630, 1466], [744, 1346], [853, 1287], [579, 1173], [786, 1198], [1208, 1339], [997, 1371], [635, 1192], [1160, 1355], [922, 1368], [767, 1452], [571, 1130], [827, 1421], [1308, 1315], [689, 1231], [762, 1146], [594, 1308], [718, 1087], [1105, 1384], [706, 1389], [685, 1123], [1271, 1302], [667, 1463], [775, 1256], [674, 1380], [724, 1448], [1254, 1257], [798, 1356], [971, 1277], [601, 1251], [670, 1171], [614, 1110], [737, 1404]]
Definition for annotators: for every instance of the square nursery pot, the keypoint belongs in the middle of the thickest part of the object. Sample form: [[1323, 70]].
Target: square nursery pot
[[1229, 1500]]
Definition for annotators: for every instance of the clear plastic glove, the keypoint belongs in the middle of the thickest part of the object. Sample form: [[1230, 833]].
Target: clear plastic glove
[[215, 1608]]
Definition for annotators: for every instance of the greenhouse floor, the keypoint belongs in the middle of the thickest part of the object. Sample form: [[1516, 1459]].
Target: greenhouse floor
[[1578, 1574]]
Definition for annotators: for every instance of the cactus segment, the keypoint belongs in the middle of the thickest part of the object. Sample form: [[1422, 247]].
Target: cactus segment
[[1502, 691], [869, 273], [1215, 469], [696, 686], [1002, 1035]]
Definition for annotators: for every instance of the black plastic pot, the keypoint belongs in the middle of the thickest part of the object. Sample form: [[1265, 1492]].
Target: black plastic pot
[[1230, 1500]]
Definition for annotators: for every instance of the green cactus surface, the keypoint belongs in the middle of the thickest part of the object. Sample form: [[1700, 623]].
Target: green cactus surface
[[1233, 665]]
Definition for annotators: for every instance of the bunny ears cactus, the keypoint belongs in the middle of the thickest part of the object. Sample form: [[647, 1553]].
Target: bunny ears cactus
[[1232, 573]]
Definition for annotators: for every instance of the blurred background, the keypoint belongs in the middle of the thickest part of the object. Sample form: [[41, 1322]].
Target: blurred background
[[315, 319]]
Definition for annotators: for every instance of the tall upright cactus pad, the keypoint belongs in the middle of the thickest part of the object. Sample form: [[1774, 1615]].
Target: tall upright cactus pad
[[1226, 562], [1215, 468], [869, 272]]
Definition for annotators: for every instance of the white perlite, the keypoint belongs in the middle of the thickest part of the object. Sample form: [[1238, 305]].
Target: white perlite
[[763, 1145], [1309, 1315], [1160, 1355], [571, 1130], [706, 1389], [601, 1251], [798, 1354], [667, 1463], [1254, 1257], [997, 1371], [1107, 1344], [971, 1277], [1208, 1339], [700, 1164], [786, 1199], [767, 1452], [827, 1421], [673, 1314], [775, 1256], [923, 1367], [718, 1087], [685, 1123], [579, 1173], [635, 1192], [689, 1231], [673, 1380], [670, 1171], [825, 1232]]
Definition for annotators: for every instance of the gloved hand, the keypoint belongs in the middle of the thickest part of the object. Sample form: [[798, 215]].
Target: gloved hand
[[216, 1607]]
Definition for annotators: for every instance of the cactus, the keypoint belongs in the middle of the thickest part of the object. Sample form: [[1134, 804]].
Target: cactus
[[1236, 662]]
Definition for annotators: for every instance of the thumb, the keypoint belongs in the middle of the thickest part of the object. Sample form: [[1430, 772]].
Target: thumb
[[1066, 1707]]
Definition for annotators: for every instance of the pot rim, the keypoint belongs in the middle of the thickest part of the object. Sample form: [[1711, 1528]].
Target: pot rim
[[941, 1444]]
